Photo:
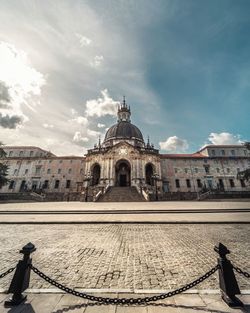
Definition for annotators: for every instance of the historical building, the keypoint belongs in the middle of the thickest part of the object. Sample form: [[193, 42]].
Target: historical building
[[124, 167]]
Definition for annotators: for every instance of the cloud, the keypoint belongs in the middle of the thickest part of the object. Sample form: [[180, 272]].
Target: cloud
[[93, 133], [102, 106], [174, 144], [224, 138], [45, 125], [98, 59], [7, 121], [79, 138], [4, 96], [20, 83], [99, 125], [84, 41]]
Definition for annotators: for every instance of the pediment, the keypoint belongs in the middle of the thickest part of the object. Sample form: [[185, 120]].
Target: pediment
[[123, 149]]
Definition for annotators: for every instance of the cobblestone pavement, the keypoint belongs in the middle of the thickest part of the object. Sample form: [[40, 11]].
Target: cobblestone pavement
[[125, 256]]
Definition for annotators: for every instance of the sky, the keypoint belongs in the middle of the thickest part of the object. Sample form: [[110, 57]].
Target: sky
[[183, 66]]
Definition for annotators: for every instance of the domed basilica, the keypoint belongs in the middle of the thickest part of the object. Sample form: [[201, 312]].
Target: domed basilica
[[124, 168], [123, 159]]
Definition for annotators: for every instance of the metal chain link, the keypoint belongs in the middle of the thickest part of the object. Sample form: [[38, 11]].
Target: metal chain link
[[7, 272], [125, 300], [241, 272]]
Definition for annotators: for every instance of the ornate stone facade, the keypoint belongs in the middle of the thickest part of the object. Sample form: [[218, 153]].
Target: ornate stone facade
[[124, 159]]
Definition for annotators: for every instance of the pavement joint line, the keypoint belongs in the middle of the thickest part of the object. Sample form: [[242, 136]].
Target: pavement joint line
[[136, 291], [118, 222]]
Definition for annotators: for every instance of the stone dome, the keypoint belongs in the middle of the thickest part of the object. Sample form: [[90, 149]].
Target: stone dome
[[123, 130]]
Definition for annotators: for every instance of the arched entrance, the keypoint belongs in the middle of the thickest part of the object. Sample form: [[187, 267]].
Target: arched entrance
[[96, 173], [122, 173], [149, 170]]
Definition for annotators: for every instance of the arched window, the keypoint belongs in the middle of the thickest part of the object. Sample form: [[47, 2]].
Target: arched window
[[149, 170], [96, 173]]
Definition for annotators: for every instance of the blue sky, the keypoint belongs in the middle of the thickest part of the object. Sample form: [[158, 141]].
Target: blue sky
[[184, 67]]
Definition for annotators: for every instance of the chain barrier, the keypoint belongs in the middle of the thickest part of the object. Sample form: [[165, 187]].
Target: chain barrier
[[7, 272], [241, 272], [106, 300]]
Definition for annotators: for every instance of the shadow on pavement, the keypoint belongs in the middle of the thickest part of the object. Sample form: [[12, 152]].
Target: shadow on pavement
[[245, 309]]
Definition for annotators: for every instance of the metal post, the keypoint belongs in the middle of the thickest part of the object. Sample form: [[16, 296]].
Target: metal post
[[21, 278], [228, 283]]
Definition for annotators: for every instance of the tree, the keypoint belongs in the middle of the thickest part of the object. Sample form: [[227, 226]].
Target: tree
[[3, 168], [245, 175]]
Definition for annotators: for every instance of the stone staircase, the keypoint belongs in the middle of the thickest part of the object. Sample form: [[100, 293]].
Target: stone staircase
[[121, 194]]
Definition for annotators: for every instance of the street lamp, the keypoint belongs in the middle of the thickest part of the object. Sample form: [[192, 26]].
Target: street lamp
[[155, 178], [87, 178]]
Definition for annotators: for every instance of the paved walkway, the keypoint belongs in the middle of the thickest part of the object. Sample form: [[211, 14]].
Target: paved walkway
[[185, 303], [127, 257], [138, 212]]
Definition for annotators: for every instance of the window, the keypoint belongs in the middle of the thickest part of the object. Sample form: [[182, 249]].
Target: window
[[207, 169], [57, 182], [232, 152], [60, 161], [186, 170], [31, 153], [45, 184], [231, 181], [59, 171], [213, 152], [238, 170], [48, 171], [26, 171], [221, 184], [222, 152], [12, 184], [177, 183], [176, 170], [196, 170], [50, 161], [242, 183], [21, 153], [188, 183], [228, 170], [205, 161], [199, 184], [38, 170], [245, 152], [218, 170], [10, 153], [70, 170], [68, 184]]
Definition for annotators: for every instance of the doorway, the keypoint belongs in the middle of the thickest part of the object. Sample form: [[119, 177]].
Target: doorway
[[96, 173], [123, 173], [148, 173]]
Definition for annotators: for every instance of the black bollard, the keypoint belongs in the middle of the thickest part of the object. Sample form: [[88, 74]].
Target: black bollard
[[21, 278], [228, 283]]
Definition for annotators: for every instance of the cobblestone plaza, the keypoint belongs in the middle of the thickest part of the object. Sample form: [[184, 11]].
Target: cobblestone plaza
[[127, 257]]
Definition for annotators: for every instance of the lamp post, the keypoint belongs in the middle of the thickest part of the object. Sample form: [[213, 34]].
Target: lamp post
[[87, 178], [155, 178]]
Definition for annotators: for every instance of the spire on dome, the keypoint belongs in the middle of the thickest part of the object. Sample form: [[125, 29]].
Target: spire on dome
[[123, 112], [124, 102]]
